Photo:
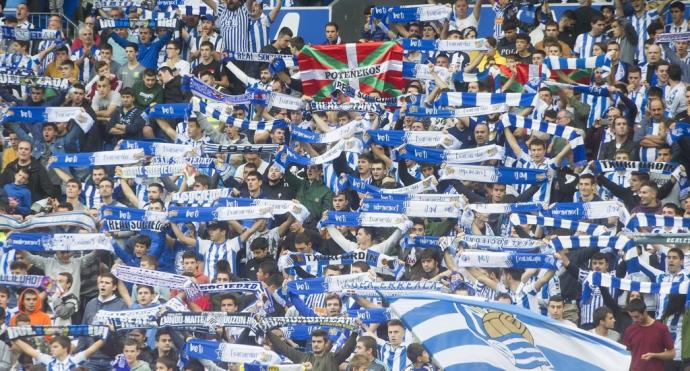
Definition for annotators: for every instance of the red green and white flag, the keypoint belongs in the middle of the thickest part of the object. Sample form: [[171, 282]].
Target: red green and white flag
[[367, 67]]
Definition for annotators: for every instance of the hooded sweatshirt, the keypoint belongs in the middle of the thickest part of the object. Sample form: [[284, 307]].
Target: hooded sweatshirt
[[37, 316]]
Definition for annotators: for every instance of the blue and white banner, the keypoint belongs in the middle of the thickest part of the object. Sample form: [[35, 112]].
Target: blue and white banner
[[14, 332], [200, 89], [381, 263], [59, 242], [212, 148], [277, 207], [49, 114], [79, 219], [348, 91], [199, 10], [158, 148], [208, 110], [325, 283], [588, 210], [407, 193], [457, 112], [566, 132], [572, 225], [209, 214], [226, 352], [134, 23], [197, 162], [418, 209], [151, 171], [285, 101], [451, 156], [290, 60], [24, 280], [88, 159], [489, 259], [620, 243], [598, 279], [395, 138], [25, 34], [489, 174], [335, 135], [477, 242], [347, 106], [606, 166], [502, 208], [457, 99], [463, 333], [558, 63], [639, 220], [411, 13], [673, 36], [168, 111], [29, 79], [445, 45], [354, 219], [200, 198], [287, 156], [116, 219]]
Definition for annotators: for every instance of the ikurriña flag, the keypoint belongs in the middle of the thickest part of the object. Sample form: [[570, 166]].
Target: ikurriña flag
[[367, 67]]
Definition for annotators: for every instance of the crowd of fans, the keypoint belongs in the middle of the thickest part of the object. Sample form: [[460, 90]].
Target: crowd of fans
[[118, 75]]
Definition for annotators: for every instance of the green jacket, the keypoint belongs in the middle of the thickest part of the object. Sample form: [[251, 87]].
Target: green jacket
[[315, 196], [329, 361], [143, 96]]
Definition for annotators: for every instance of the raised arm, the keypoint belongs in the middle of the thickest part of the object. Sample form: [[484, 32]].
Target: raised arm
[[189, 241], [213, 5], [340, 240], [274, 12], [26, 348], [510, 138]]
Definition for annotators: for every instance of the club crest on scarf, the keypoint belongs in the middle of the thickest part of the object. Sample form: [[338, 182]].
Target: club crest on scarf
[[506, 334]]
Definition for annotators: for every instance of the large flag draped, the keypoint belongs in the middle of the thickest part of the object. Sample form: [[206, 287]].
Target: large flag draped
[[369, 67], [465, 334]]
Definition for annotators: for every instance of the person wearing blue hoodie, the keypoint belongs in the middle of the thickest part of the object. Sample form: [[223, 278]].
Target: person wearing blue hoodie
[[18, 194]]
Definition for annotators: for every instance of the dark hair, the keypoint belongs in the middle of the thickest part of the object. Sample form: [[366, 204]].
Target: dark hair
[[414, 351], [337, 28], [369, 343], [514, 273], [188, 255], [677, 251], [320, 333], [275, 280], [127, 91], [19, 265], [150, 288], [167, 362], [537, 142], [268, 267], [674, 72], [206, 43], [68, 276], [166, 69], [596, 17], [150, 72], [161, 332], [523, 36], [361, 265], [111, 276], [600, 314], [556, 299], [590, 177], [64, 342], [285, 31], [259, 243], [636, 305], [255, 174], [135, 47], [395, 322], [302, 238]]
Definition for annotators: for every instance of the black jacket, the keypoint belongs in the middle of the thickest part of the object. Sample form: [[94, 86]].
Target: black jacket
[[39, 184]]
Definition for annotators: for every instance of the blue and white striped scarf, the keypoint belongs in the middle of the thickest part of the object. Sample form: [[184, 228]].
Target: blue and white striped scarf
[[205, 109], [598, 279], [77, 219], [381, 263], [490, 259], [157, 148], [445, 45], [491, 243], [204, 91], [88, 159], [117, 218], [288, 156], [458, 112], [335, 135], [576, 242], [355, 219], [488, 174], [404, 193], [451, 156], [277, 207], [219, 213], [640, 220], [572, 225], [566, 132], [24, 34], [59, 242], [457, 99], [418, 209], [558, 63], [394, 138], [129, 23]]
